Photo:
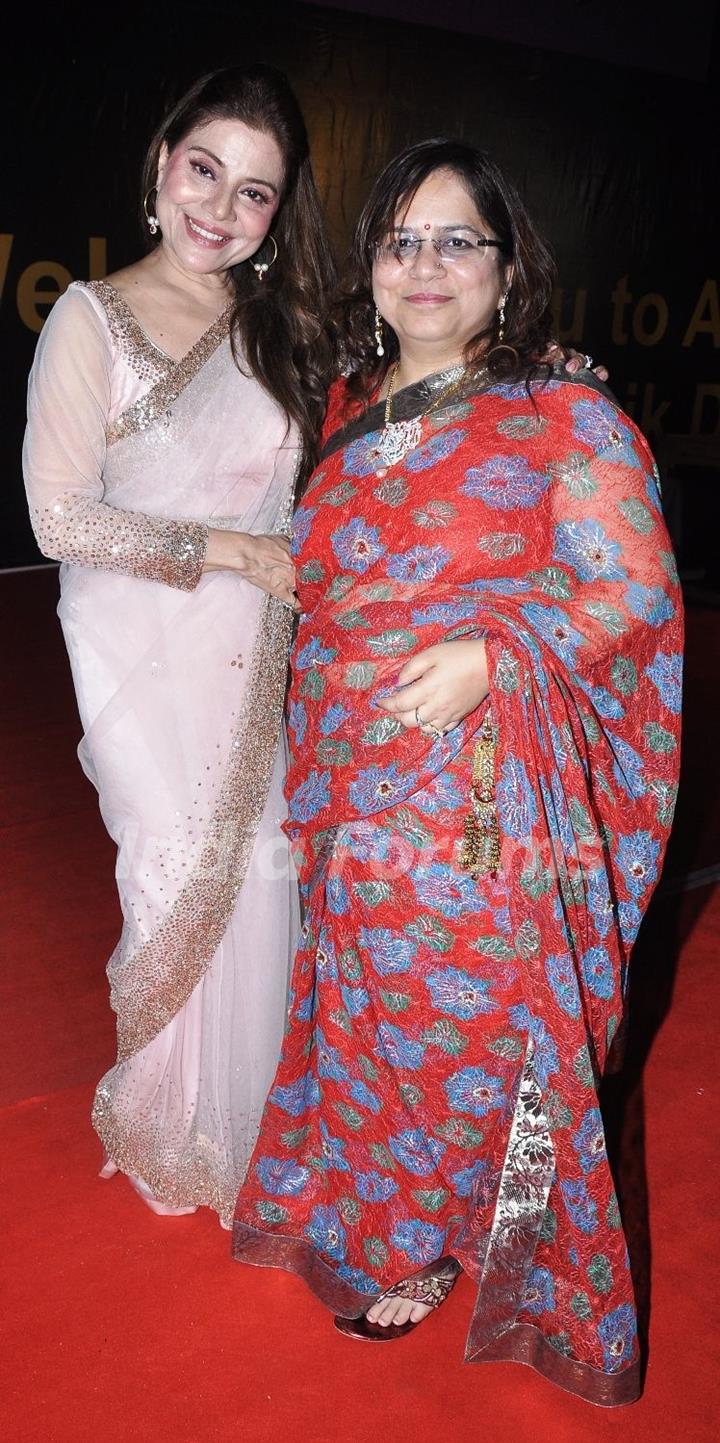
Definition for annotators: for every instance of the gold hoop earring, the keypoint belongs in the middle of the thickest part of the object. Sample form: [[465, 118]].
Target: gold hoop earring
[[379, 347], [151, 218], [262, 267]]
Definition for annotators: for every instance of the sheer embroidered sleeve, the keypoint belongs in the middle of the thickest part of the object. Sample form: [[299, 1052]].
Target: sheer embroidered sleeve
[[64, 457]]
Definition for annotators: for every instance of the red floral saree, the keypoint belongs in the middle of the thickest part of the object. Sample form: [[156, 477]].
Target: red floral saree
[[450, 1019]]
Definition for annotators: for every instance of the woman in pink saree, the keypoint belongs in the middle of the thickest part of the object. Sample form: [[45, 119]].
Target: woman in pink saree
[[169, 410]]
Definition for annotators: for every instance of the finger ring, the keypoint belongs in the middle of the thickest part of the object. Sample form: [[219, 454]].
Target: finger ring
[[418, 718], [587, 362], [429, 729]]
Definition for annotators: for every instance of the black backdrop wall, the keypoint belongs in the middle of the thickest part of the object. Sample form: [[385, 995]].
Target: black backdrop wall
[[616, 161]]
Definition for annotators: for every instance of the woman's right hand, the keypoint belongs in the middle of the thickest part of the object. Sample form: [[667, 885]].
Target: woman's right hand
[[264, 561]]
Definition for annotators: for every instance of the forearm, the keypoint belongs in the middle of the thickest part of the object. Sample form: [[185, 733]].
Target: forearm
[[86, 532]]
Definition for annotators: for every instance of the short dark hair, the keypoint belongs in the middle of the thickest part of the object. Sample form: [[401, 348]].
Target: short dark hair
[[528, 322], [281, 322]]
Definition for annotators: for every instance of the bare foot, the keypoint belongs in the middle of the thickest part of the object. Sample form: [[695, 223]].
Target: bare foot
[[163, 1210], [397, 1311]]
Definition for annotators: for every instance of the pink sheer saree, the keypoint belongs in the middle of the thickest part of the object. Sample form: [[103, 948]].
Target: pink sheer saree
[[180, 681]]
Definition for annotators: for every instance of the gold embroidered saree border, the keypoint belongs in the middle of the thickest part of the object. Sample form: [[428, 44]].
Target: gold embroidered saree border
[[164, 972], [170, 377], [192, 1175]]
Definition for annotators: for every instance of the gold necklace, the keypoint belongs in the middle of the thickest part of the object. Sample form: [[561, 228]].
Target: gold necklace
[[398, 438]]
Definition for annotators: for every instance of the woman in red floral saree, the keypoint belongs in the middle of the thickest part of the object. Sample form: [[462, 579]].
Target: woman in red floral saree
[[484, 721]]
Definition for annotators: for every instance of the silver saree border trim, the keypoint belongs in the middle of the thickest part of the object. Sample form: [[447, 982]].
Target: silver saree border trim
[[527, 1175]]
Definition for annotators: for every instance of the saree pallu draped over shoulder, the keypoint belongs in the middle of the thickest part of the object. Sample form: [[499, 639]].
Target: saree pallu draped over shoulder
[[450, 1020]]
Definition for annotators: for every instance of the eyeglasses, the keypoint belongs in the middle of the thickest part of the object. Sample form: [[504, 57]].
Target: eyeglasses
[[455, 245]]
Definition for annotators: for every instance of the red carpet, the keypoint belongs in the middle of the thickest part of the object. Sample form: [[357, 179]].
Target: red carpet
[[119, 1327]]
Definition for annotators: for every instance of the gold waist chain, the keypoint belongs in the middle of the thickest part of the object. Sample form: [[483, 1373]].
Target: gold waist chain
[[480, 850]]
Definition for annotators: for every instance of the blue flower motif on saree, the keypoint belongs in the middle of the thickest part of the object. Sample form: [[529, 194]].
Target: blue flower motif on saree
[[598, 424], [281, 1177], [649, 603], [356, 1000], [637, 858], [364, 1096], [465, 1180], [375, 1186], [475, 1091], [515, 799], [617, 1331], [605, 704], [416, 1152], [589, 1140], [314, 654], [336, 895], [302, 526], [560, 973], [599, 900], [297, 721], [556, 629], [441, 794], [597, 970], [357, 545], [458, 993], [579, 1205], [438, 448], [325, 1229], [365, 841], [422, 1242], [446, 613], [333, 718], [376, 788], [389, 951], [358, 1279], [506, 483], [297, 1097], [310, 797], [442, 888], [539, 1296], [361, 456], [421, 563], [665, 672], [587, 548], [398, 1049]]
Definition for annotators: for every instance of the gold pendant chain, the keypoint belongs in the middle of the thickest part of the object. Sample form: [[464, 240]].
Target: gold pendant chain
[[446, 391], [398, 438]]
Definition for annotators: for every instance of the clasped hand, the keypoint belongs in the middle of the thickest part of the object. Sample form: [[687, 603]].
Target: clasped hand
[[264, 561], [440, 685]]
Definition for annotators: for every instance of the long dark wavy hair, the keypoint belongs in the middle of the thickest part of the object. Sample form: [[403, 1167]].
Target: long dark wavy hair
[[528, 322], [281, 322]]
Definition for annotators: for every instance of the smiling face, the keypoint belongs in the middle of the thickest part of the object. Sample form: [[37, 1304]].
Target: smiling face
[[217, 193], [435, 305]]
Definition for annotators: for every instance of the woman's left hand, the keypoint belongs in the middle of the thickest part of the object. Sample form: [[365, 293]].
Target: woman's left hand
[[574, 361], [440, 685]]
